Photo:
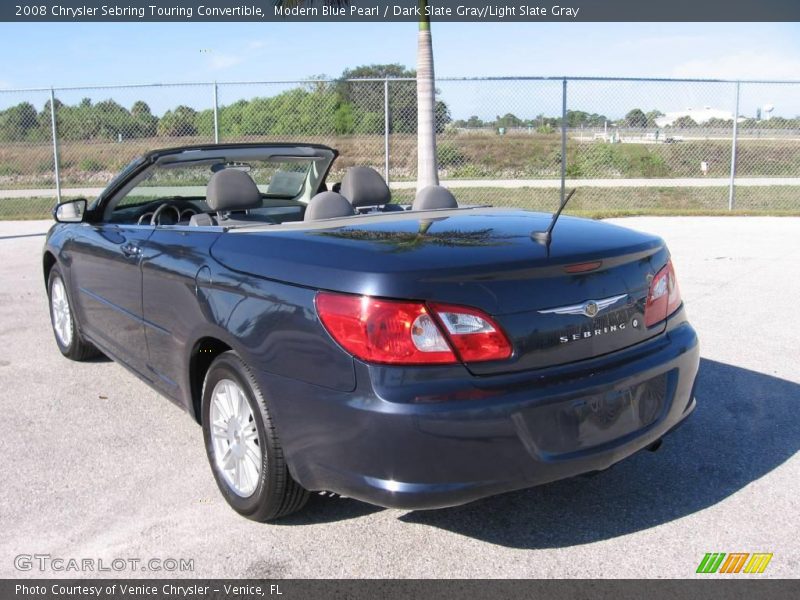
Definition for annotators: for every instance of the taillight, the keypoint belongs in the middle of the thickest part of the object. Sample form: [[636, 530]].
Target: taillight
[[409, 333], [383, 331], [473, 334], [664, 296]]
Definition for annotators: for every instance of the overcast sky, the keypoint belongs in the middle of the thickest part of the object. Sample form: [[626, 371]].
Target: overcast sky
[[103, 53]]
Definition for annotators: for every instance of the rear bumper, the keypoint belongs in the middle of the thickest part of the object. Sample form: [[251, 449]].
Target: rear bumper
[[435, 437]]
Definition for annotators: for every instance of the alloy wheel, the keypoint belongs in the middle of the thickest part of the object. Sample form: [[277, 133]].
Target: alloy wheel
[[235, 439], [62, 317]]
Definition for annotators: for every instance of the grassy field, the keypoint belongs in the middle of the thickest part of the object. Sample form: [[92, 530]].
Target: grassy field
[[605, 202], [591, 202], [23, 209], [461, 156]]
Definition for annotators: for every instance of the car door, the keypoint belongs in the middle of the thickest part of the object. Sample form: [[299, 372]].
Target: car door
[[106, 279], [174, 267]]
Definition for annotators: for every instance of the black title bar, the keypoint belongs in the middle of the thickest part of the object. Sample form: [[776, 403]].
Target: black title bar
[[400, 10], [423, 589]]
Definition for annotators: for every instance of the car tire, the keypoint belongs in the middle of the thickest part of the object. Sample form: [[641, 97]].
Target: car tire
[[65, 329], [242, 445]]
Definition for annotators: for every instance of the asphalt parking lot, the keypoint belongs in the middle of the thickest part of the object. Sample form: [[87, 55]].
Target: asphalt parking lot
[[97, 465]]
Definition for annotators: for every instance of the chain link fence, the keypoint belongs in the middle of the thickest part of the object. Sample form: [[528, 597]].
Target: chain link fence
[[632, 146]]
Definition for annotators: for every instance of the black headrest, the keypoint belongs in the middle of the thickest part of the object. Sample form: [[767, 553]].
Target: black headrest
[[328, 205], [432, 197], [364, 186], [231, 189]]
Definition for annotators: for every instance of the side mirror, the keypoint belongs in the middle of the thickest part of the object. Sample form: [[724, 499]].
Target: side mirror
[[71, 211]]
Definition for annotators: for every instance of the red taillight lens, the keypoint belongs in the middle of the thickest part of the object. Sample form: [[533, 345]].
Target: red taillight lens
[[664, 296], [475, 336], [406, 333], [383, 331]]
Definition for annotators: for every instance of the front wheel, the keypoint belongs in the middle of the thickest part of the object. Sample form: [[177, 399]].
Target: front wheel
[[68, 337], [243, 448]]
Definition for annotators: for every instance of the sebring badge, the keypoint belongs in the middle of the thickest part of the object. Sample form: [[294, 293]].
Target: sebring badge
[[590, 308]]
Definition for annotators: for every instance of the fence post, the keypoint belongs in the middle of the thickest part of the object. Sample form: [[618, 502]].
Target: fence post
[[564, 141], [56, 170], [386, 130], [732, 186], [216, 115]]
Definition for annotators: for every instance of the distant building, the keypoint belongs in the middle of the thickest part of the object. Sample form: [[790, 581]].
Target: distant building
[[698, 115]]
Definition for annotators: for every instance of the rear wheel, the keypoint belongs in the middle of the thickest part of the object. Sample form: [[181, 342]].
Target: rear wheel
[[243, 448], [68, 337]]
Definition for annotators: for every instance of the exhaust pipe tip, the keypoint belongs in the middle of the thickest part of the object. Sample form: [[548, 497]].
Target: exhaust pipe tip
[[655, 445]]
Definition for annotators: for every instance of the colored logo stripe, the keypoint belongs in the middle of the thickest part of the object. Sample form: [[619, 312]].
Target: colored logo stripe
[[734, 562], [758, 562], [713, 562]]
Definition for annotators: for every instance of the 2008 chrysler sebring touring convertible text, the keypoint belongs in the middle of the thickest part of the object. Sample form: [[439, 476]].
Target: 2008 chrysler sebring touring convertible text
[[413, 357]]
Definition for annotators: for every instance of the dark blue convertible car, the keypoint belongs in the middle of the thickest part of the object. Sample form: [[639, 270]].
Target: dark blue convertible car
[[414, 356]]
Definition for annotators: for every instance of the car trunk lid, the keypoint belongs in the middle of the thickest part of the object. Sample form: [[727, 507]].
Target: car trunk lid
[[581, 296]]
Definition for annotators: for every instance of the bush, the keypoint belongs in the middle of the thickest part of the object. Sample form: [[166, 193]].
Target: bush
[[471, 172], [6, 170], [369, 123], [652, 165], [90, 165], [179, 122], [44, 166], [449, 155]]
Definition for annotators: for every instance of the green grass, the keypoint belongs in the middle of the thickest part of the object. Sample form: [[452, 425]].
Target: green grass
[[635, 201], [588, 202], [25, 209]]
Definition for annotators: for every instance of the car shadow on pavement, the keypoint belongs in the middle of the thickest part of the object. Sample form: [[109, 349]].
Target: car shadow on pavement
[[328, 509], [98, 358], [746, 424]]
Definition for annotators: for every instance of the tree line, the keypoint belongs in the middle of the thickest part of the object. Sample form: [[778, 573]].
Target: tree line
[[338, 106], [317, 108], [635, 118]]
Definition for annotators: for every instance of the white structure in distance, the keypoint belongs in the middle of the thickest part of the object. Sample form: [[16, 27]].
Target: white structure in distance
[[698, 115]]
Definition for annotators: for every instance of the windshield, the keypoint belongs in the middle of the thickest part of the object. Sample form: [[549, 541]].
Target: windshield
[[282, 178]]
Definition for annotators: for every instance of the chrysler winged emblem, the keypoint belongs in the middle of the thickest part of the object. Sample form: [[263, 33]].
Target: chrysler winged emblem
[[590, 308]]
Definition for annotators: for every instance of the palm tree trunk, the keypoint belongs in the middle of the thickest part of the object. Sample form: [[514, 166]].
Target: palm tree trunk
[[427, 169]]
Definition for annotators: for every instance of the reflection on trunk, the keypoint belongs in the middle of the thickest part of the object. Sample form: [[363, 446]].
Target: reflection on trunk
[[403, 241]]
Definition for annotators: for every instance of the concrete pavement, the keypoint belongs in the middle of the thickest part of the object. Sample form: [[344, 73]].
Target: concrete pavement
[[96, 464]]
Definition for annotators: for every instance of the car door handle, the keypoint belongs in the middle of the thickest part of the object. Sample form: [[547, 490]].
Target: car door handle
[[131, 249]]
